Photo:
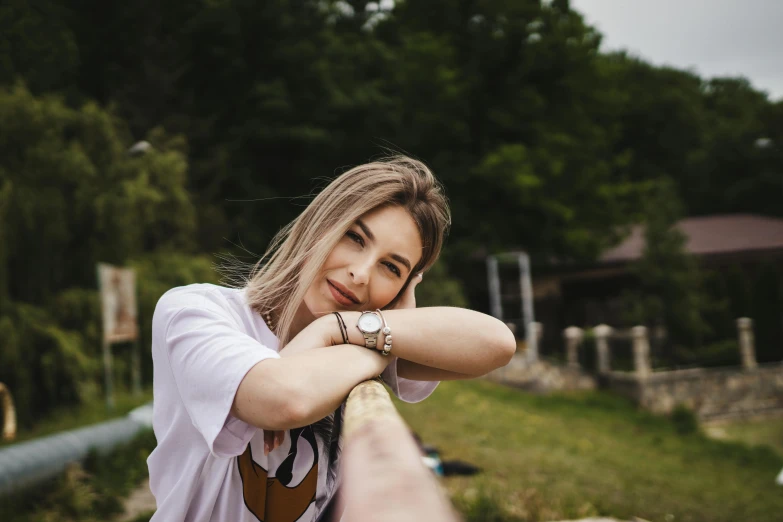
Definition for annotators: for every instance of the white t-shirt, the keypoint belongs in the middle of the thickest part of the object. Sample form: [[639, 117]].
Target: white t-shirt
[[209, 465]]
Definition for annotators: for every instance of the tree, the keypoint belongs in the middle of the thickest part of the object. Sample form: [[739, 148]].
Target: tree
[[670, 292]]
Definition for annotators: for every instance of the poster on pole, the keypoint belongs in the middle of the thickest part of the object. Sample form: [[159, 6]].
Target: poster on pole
[[118, 303], [117, 287]]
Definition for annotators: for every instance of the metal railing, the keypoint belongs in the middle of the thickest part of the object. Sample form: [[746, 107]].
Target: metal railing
[[27, 463]]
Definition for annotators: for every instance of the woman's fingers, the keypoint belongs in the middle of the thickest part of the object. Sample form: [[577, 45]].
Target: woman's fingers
[[272, 440], [408, 299], [269, 440]]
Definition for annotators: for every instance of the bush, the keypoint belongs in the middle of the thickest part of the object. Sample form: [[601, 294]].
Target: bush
[[684, 420], [438, 288], [42, 364], [71, 196]]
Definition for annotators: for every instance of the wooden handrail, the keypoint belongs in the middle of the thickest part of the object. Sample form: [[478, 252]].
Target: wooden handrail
[[9, 416], [383, 476]]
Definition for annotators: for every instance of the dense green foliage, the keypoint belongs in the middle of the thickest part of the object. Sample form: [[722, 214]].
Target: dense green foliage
[[542, 142], [73, 197]]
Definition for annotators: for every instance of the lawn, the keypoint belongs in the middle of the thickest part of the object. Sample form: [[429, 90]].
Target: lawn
[[575, 455], [754, 432]]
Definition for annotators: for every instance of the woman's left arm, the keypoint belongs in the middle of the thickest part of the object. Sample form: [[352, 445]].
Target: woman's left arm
[[419, 372], [464, 343], [415, 371]]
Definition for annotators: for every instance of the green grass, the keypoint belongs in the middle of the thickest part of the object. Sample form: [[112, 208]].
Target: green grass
[[90, 412], [575, 455], [755, 432]]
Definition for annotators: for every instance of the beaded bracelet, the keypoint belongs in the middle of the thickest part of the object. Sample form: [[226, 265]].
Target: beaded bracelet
[[387, 345]]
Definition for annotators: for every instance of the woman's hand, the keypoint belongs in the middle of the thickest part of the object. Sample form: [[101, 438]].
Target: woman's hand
[[408, 299], [317, 334], [272, 439]]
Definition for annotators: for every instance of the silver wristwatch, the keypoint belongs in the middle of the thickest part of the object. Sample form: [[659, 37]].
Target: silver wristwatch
[[370, 325]]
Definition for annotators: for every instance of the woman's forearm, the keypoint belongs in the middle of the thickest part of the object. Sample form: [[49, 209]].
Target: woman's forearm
[[299, 389], [312, 377], [453, 339]]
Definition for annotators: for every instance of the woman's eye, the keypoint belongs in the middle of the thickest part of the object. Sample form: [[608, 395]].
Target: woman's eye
[[356, 238], [393, 268]]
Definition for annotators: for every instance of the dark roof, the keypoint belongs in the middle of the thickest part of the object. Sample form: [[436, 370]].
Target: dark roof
[[710, 235]]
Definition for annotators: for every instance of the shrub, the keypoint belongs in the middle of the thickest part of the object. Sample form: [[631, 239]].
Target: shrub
[[684, 420], [438, 288]]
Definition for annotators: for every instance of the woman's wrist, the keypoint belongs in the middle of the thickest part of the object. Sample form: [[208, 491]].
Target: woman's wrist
[[354, 335], [330, 329]]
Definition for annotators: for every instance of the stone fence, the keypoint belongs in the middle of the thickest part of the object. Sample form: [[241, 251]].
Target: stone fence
[[709, 392], [602, 333], [747, 389]]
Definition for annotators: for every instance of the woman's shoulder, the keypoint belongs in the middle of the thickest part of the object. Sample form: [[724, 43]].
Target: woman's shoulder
[[198, 296]]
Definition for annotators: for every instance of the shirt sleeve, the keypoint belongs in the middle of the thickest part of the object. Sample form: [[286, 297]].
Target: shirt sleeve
[[209, 355], [407, 390]]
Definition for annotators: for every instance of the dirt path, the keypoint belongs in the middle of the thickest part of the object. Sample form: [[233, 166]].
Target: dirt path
[[138, 502]]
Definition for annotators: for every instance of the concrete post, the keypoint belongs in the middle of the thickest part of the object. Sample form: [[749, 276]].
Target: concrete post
[[641, 351], [573, 337], [538, 332], [746, 342], [602, 333]]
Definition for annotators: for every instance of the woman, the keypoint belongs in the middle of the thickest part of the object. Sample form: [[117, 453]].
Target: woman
[[245, 380]]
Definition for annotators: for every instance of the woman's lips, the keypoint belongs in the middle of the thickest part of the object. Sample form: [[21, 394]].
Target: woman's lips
[[339, 296]]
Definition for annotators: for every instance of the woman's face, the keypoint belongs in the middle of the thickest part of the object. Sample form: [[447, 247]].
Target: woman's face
[[369, 265]]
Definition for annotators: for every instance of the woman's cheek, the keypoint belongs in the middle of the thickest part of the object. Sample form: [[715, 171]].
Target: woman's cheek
[[391, 294]]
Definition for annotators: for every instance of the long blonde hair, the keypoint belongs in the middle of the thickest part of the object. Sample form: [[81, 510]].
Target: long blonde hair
[[281, 278]]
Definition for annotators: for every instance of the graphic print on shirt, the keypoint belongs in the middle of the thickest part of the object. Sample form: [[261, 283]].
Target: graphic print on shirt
[[278, 499]]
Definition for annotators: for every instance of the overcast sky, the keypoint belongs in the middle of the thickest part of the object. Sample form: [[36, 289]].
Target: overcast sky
[[712, 37]]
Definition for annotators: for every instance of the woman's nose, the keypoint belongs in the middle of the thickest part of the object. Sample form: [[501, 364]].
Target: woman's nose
[[360, 273]]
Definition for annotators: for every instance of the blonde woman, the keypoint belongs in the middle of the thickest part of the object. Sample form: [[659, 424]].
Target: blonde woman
[[249, 382]]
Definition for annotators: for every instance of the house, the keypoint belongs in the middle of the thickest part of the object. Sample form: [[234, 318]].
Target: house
[[744, 250]]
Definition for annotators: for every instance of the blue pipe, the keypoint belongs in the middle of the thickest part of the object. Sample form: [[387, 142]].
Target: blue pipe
[[27, 463]]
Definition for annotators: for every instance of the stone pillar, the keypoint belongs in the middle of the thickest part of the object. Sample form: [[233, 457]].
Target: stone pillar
[[746, 342], [573, 336], [641, 351], [602, 333], [538, 332]]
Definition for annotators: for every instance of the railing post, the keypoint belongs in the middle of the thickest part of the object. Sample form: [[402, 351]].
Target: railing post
[[573, 337], [747, 342], [383, 476], [641, 351], [538, 331], [602, 333], [9, 413]]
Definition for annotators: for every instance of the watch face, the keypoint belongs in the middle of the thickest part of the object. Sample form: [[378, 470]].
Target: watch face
[[369, 323]]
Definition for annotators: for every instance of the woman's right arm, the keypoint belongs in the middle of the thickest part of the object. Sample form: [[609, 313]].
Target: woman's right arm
[[304, 385]]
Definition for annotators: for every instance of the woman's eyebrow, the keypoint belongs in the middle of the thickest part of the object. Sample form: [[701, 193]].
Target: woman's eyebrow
[[371, 237], [399, 258], [365, 229]]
